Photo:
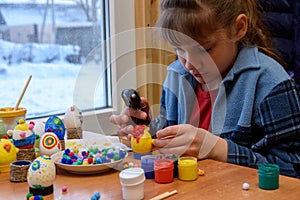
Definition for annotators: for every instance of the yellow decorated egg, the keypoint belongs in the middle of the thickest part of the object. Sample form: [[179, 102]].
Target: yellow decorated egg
[[8, 154], [141, 140], [41, 173], [49, 144]]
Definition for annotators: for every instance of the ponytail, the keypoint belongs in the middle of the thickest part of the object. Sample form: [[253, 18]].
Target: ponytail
[[258, 34]]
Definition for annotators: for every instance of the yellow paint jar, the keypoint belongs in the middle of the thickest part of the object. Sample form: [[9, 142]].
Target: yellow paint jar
[[10, 117], [187, 168]]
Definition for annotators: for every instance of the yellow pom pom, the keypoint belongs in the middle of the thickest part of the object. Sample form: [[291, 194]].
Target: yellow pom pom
[[201, 172]]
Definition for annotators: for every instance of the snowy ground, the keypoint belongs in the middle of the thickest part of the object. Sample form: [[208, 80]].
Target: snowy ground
[[52, 87]]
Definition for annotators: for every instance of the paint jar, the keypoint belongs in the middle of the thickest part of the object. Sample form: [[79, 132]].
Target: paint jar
[[10, 117], [268, 176], [173, 157], [132, 181], [187, 168], [163, 170], [147, 163]]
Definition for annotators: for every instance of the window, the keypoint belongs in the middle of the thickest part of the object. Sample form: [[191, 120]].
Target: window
[[61, 44]]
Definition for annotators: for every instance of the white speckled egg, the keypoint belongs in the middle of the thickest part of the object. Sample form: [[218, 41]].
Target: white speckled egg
[[49, 144], [39, 128], [41, 173], [73, 118]]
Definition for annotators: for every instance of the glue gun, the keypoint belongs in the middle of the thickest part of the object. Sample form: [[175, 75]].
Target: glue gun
[[132, 99]]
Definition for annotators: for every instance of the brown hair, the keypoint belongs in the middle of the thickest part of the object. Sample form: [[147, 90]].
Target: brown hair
[[200, 18]]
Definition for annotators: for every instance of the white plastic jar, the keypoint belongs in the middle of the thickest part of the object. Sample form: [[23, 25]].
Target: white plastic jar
[[132, 181]]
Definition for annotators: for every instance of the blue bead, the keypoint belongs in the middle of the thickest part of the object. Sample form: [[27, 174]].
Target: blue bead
[[96, 196]]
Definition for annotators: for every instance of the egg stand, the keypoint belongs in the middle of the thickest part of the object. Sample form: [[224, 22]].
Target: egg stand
[[26, 154], [74, 133], [42, 191], [63, 145]]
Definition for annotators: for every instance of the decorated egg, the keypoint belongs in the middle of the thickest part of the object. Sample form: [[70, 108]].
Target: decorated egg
[[8, 154], [73, 118], [141, 140], [49, 144], [41, 175], [39, 128], [55, 125], [23, 135]]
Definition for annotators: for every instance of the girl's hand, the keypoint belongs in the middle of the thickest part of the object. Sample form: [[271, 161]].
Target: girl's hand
[[124, 120], [187, 140]]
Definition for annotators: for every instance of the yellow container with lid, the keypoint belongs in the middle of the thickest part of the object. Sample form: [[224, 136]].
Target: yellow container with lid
[[187, 168], [10, 116]]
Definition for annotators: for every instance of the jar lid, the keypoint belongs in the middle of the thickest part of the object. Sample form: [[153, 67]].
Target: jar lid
[[149, 159], [268, 168], [163, 163], [10, 112], [187, 161], [132, 176]]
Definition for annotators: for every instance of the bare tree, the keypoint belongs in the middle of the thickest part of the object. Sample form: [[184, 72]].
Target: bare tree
[[90, 8]]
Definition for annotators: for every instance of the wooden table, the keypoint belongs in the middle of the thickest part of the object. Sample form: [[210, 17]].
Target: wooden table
[[221, 181]]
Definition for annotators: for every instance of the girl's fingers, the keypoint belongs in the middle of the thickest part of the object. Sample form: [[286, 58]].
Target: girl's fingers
[[119, 120], [137, 114], [125, 131], [168, 132]]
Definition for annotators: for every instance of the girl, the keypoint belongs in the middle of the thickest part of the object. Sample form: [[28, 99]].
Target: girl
[[227, 97]]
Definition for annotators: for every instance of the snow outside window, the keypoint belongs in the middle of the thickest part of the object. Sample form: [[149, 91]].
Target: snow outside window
[[62, 44]]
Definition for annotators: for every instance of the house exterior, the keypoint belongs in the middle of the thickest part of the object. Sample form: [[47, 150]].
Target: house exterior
[[27, 23]]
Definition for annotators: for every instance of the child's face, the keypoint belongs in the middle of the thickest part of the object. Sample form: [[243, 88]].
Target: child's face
[[211, 60]]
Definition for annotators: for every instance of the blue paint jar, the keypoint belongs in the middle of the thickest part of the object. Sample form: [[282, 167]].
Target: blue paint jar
[[147, 163], [268, 176]]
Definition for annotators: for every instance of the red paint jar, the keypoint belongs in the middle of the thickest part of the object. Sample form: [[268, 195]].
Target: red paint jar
[[163, 170]]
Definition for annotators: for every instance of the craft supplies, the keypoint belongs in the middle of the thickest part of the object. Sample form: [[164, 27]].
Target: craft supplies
[[64, 188], [41, 175], [9, 116], [164, 195], [8, 154], [173, 157], [147, 163], [187, 168], [163, 170], [132, 181], [18, 170], [55, 125], [141, 141], [49, 144], [91, 156], [73, 120], [96, 196], [23, 92], [245, 186], [268, 176]]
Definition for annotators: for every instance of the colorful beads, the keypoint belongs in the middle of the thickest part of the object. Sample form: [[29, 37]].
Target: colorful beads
[[64, 188], [30, 196], [129, 165], [96, 196], [92, 156], [246, 186], [201, 172]]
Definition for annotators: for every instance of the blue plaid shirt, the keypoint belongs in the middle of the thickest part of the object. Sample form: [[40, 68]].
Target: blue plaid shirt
[[257, 111]]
